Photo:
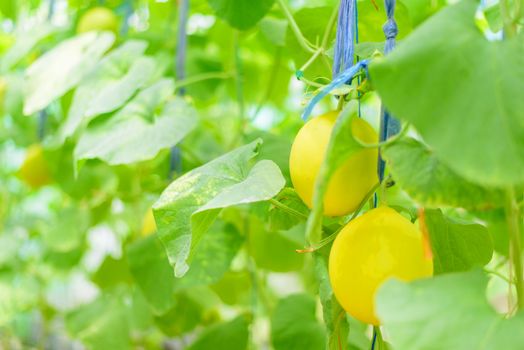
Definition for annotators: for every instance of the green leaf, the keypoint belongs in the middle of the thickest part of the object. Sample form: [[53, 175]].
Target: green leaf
[[433, 184], [213, 256], [129, 136], [280, 219], [62, 68], [232, 335], [275, 251], [66, 232], [187, 208], [457, 246], [241, 14], [274, 29], [431, 79], [101, 324], [446, 312], [294, 325], [113, 81], [234, 288], [153, 274]]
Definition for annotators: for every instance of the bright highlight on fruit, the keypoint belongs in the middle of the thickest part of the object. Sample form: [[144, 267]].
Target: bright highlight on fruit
[[34, 170], [351, 182], [372, 248], [98, 18], [148, 223]]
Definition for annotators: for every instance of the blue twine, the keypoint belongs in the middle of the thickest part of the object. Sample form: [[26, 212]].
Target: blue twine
[[344, 45], [342, 78], [389, 125]]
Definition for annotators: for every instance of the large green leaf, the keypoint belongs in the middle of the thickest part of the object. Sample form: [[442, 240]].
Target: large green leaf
[[294, 325], [432, 79], [62, 68], [232, 335], [432, 183], [457, 246], [114, 80], [187, 208], [147, 124], [446, 312], [241, 14]]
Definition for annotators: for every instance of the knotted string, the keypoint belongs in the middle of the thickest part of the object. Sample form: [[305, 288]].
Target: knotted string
[[389, 125], [342, 78]]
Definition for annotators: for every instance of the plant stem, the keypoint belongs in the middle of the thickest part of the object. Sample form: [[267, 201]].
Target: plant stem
[[329, 28], [515, 245], [312, 83], [500, 275], [294, 27], [287, 209], [202, 77], [311, 60]]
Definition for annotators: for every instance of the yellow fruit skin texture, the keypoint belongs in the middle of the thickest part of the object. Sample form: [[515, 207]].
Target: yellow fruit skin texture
[[351, 182], [148, 224], [372, 248], [34, 170], [98, 18]]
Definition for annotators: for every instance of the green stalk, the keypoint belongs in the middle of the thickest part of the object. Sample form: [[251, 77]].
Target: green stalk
[[202, 77], [329, 28], [306, 45], [288, 210], [513, 220]]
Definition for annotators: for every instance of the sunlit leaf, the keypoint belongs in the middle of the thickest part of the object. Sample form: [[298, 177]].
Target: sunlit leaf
[[457, 246], [129, 136], [113, 81], [62, 68], [190, 204]]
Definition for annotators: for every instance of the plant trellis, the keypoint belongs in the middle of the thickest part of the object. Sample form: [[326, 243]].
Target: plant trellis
[[344, 70]]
